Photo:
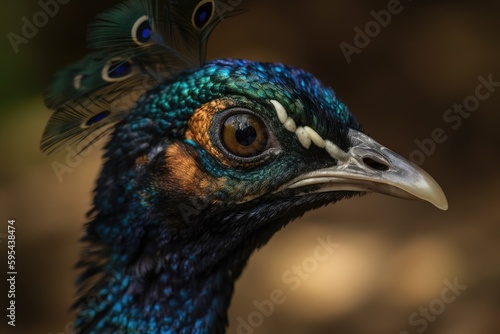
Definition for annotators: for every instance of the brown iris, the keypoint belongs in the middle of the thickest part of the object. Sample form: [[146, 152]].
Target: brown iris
[[245, 135]]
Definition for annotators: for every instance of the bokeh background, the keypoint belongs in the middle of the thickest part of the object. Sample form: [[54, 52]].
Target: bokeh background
[[394, 255]]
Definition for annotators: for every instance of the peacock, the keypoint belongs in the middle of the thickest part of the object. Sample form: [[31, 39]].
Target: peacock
[[206, 160]]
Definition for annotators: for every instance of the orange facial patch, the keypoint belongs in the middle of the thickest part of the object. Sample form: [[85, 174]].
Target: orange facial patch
[[142, 161], [185, 174], [199, 126]]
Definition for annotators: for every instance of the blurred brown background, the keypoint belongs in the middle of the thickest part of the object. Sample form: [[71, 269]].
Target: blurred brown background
[[394, 255]]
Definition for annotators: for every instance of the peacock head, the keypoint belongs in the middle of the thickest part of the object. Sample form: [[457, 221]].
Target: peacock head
[[235, 145], [211, 142]]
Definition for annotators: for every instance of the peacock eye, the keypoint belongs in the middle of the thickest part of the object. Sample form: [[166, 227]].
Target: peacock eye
[[245, 135], [203, 13]]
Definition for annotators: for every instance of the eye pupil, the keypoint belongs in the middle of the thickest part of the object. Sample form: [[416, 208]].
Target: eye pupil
[[246, 136]]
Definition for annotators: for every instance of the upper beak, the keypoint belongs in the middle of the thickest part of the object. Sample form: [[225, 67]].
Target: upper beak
[[371, 167]]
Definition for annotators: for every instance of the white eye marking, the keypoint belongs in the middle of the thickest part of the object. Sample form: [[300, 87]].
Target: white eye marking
[[335, 151], [315, 137], [307, 135], [288, 122], [290, 125], [303, 136], [280, 110]]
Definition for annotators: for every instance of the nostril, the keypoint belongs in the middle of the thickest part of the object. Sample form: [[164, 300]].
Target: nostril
[[375, 164]]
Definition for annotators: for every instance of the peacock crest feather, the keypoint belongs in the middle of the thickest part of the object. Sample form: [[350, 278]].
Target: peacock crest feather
[[132, 48]]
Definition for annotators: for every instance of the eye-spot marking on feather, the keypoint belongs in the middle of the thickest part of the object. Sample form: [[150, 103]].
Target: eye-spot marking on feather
[[307, 135], [203, 14], [142, 31], [97, 118], [117, 69]]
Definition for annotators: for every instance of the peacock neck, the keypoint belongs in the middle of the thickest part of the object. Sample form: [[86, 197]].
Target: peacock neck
[[159, 294]]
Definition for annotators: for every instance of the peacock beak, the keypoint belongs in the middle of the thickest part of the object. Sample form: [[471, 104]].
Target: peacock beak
[[371, 167]]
